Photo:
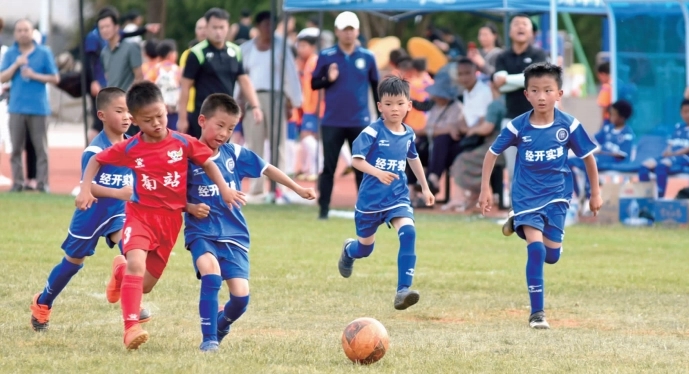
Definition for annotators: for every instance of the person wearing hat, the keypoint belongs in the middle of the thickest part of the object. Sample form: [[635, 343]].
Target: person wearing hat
[[346, 72], [445, 118]]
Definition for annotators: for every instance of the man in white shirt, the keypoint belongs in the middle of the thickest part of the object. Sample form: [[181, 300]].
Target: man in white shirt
[[477, 95], [256, 63]]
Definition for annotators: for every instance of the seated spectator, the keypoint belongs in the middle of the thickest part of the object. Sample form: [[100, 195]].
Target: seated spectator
[[442, 126], [675, 157], [167, 76], [616, 141], [467, 169], [605, 93]]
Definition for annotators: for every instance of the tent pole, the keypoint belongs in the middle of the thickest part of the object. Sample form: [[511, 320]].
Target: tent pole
[[273, 15], [613, 52], [320, 98], [506, 30], [553, 32], [82, 57], [685, 13]]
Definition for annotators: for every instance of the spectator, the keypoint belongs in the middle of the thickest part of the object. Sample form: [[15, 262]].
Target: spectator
[[442, 126], [509, 77], [200, 33], [605, 93], [121, 61], [396, 57], [29, 67], [477, 95], [452, 45], [242, 30], [485, 57], [151, 57], [5, 143], [291, 30], [346, 98], [468, 167], [327, 37], [214, 65], [167, 75], [131, 22]]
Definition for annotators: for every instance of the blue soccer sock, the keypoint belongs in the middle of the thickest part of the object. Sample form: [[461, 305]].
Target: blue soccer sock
[[57, 281], [208, 306], [552, 255], [406, 258], [662, 175], [358, 250], [644, 174], [534, 275], [233, 310]]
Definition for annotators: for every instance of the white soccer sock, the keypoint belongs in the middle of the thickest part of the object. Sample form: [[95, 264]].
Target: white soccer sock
[[346, 154], [309, 147]]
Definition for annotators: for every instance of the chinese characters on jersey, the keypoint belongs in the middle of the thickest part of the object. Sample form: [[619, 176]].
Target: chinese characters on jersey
[[212, 190], [544, 155], [390, 165], [115, 180]]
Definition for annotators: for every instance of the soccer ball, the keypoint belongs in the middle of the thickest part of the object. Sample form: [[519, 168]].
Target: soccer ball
[[365, 341]]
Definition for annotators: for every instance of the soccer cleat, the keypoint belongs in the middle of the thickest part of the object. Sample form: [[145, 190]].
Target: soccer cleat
[[209, 346], [406, 298], [134, 337], [346, 263], [222, 333], [537, 321], [112, 291], [40, 315], [144, 315], [508, 227]]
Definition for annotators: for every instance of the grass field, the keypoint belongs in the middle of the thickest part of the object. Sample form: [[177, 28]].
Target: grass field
[[617, 301]]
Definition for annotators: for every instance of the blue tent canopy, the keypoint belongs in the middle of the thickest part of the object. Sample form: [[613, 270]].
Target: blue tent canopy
[[399, 6]]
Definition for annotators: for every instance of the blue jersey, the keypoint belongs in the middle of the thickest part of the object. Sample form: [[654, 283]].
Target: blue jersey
[[224, 223], [85, 223], [680, 137], [346, 100], [612, 140], [389, 151], [541, 172]]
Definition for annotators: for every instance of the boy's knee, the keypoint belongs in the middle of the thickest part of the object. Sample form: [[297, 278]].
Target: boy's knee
[[552, 255], [207, 264], [407, 232]]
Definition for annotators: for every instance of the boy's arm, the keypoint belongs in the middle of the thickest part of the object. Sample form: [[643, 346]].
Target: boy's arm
[[363, 166], [85, 198], [417, 169], [278, 176], [596, 201], [681, 152], [485, 200], [230, 196], [124, 193]]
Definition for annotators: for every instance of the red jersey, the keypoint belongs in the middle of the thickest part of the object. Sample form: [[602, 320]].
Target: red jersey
[[160, 169]]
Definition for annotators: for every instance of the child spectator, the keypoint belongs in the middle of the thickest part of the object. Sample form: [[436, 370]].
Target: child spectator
[[605, 94], [167, 76]]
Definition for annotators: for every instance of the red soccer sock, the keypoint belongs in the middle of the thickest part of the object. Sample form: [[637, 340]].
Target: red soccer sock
[[131, 291]]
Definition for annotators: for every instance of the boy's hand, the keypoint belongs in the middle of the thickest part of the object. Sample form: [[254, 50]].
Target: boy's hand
[[199, 210], [595, 203], [306, 193], [485, 200], [233, 197], [667, 154], [333, 72], [386, 177], [125, 193], [84, 199], [428, 197]]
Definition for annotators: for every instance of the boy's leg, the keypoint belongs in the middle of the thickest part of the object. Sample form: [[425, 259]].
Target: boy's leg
[[646, 168], [530, 228], [366, 226], [403, 221], [665, 167], [203, 253], [131, 295], [235, 268]]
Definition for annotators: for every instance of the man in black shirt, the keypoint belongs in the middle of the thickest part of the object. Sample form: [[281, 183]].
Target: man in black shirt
[[214, 66], [509, 69]]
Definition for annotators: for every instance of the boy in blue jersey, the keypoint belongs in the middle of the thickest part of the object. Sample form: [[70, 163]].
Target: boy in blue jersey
[[542, 189], [675, 157], [616, 141], [104, 219], [217, 235], [381, 152]]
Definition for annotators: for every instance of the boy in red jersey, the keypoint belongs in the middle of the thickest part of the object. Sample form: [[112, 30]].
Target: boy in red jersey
[[158, 157]]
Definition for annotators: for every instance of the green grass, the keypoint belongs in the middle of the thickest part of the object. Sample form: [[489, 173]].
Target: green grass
[[617, 301]]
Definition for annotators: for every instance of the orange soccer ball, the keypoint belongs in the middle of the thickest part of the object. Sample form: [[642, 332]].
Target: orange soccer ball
[[365, 341]]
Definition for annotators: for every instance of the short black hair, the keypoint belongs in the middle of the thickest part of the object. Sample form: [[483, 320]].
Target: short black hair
[[520, 15], [219, 101], [466, 61], [262, 16], [623, 108], [685, 102], [165, 47], [108, 12], [396, 55], [393, 86], [218, 13], [419, 64], [131, 15], [151, 48], [142, 94], [107, 95], [604, 68], [245, 13], [405, 64], [541, 69]]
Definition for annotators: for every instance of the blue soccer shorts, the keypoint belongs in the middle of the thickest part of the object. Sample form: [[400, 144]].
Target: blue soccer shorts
[[550, 220], [77, 246], [233, 261], [676, 163], [367, 223], [309, 122]]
